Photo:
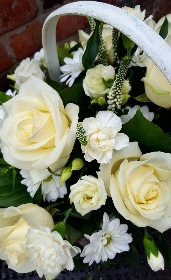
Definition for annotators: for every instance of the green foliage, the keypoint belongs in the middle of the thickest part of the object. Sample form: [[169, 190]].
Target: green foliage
[[56, 86], [62, 53], [4, 98], [128, 44], [79, 265], [165, 249], [92, 49], [74, 94], [164, 29], [72, 233], [38, 196], [75, 48], [132, 257], [60, 228], [149, 136]]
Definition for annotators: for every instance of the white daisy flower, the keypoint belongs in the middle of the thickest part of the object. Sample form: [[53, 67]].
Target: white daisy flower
[[9, 92], [72, 68], [51, 187], [105, 244], [138, 58], [132, 111], [48, 251], [31, 188]]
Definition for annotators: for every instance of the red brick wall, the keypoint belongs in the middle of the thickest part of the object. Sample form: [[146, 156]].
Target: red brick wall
[[21, 24]]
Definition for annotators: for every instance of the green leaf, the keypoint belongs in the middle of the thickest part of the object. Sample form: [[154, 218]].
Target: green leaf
[[72, 233], [60, 228], [74, 94], [75, 48], [92, 49], [62, 53], [4, 97], [149, 136], [128, 44], [143, 98], [38, 196], [165, 249], [132, 257], [108, 83], [16, 197], [14, 173], [79, 265], [164, 29], [56, 86], [3, 162]]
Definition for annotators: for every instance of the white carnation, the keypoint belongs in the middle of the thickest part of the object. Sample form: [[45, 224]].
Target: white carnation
[[132, 111], [106, 243], [49, 251], [25, 70], [102, 136], [72, 68]]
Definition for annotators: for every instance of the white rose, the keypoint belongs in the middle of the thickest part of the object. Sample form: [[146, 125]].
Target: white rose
[[156, 263], [14, 225], [102, 136], [38, 132], [25, 70], [93, 84], [140, 187], [157, 87], [48, 251], [88, 194], [135, 11]]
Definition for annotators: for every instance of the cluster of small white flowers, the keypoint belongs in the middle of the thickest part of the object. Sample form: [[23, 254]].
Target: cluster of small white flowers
[[72, 68], [102, 135], [40, 57], [51, 187], [132, 111], [106, 243], [49, 251]]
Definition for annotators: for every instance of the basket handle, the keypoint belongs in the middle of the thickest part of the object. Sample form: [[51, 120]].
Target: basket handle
[[138, 31]]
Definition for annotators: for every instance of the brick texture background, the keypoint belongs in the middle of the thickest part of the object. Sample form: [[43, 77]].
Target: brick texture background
[[21, 24]]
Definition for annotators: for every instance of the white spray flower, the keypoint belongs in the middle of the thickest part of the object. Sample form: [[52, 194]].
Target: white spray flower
[[72, 68], [138, 58], [40, 57], [51, 187], [9, 92], [106, 243], [49, 251], [102, 136], [132, 111]]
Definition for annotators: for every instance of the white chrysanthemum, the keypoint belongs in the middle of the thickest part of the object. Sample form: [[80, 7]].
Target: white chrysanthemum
[[106, 243], [132, 111], [138, 58], [31, 188], [51, 187], [136, 11], [49, 251], [102, 136], [40, 57], [9, 92], [72, 68]]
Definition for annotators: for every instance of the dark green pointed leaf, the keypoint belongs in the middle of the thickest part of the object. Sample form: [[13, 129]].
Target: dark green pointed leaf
[[74, 94], [38, 197], [149, 136], [165, 249], [60, 228], [92, 48], [164, 29], [72, 233], [56, 86], [79, 265], [3, 162], [75, 48], [128, 44], [132, 257], [108, 83], [143, 98], [16, 197]]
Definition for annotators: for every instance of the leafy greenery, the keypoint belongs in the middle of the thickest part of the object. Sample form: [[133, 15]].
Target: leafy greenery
[[164, 29]]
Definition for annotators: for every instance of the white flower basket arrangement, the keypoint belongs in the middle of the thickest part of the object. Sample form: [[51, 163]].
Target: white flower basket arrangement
[[81, 157]]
